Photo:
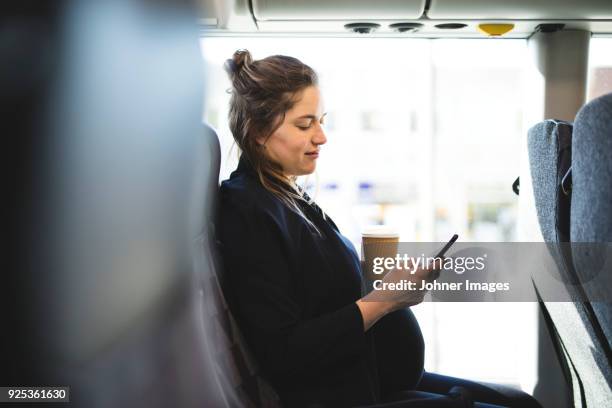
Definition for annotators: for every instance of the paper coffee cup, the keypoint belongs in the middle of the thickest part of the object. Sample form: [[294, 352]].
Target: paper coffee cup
[[377, 241]]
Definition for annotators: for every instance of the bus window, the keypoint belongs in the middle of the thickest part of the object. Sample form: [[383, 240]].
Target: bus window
[[600, 67]]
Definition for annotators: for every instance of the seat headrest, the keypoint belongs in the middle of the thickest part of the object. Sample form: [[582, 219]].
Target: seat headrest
[[206, 180], [549, 145]]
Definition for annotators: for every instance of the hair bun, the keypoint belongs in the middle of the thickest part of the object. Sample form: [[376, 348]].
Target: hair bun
[[239, 60]]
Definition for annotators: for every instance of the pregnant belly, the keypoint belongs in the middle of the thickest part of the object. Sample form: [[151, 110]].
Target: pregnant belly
[[400, 352]]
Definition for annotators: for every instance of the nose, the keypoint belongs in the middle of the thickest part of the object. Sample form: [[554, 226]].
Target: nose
[[319, 137]]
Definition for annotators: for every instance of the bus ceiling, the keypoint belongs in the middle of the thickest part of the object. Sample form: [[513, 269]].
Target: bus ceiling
[[558, 31], [403, 18]]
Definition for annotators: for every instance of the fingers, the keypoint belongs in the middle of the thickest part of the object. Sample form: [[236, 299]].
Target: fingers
[[432, 271], [434, 275]]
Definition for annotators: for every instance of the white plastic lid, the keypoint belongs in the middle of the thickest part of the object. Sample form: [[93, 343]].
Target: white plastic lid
[[380, 231]]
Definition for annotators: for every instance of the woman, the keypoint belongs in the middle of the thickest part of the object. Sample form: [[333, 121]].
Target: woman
[[292, 280]]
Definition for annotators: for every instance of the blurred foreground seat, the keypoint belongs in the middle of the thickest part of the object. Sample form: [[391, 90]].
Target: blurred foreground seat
[[103, 101]]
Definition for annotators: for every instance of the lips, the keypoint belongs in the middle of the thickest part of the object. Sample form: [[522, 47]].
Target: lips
[[313, 154]]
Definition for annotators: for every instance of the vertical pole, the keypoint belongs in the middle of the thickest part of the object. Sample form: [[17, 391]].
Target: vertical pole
[[562, 58]]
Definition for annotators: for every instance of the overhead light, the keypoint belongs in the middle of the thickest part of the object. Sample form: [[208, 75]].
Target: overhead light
[[495, 30], [405, 27], [362, 28], [450, 26]]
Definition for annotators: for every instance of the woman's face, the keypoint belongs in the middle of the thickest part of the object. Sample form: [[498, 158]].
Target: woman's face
[[296, 143]]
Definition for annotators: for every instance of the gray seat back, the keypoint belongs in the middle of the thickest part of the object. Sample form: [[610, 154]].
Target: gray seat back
[[235, 368], [592, 172], [591, 217], [582, 327], [550, 145]]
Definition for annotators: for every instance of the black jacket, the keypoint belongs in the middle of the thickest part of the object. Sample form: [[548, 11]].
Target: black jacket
[[293, 292]]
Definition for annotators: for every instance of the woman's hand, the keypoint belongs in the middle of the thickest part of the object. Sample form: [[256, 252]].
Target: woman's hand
[[379, 302], [413, 280]]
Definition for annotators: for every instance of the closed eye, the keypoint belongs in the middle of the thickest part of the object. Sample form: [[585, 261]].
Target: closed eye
[[305, 127]]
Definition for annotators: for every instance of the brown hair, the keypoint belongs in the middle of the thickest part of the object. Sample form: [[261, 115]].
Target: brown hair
[[262, 93]]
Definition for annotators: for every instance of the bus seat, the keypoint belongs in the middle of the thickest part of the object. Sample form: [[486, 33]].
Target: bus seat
[[235, 367], [103, 282], [575, 328], [592, 173], [591, 213]]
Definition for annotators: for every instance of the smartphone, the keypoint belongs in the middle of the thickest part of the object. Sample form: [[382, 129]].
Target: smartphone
[[447, 246]]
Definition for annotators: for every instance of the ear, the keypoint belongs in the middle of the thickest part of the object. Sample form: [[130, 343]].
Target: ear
[[260, 140]]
